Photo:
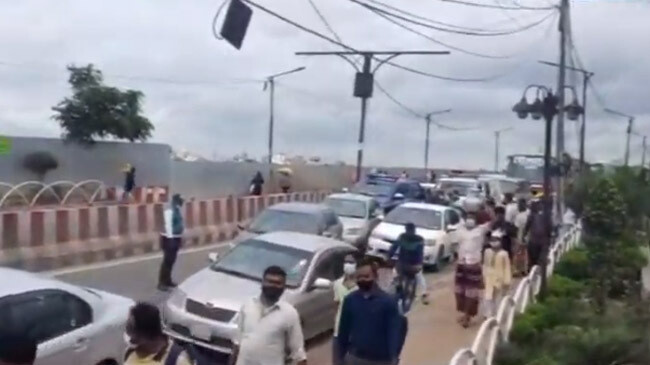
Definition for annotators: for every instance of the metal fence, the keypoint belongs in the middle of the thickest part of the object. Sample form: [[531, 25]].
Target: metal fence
[[495, 330], [61, 191]]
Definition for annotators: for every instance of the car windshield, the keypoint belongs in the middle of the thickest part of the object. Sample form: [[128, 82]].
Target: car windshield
[[463, 187], [381, 189], [347, 207], [422, 218], [250, 258], [273, 220]]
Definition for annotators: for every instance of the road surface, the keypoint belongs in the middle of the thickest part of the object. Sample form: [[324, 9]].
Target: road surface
[[433, 336]]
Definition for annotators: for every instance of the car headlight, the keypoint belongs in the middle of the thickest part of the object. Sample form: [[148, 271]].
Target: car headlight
[[352, 231], [178, 298]]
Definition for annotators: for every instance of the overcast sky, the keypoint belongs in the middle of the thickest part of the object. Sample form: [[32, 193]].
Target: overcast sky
[[207, 108]]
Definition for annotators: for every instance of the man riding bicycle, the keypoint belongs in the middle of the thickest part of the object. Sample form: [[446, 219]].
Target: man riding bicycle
[[410, 255]]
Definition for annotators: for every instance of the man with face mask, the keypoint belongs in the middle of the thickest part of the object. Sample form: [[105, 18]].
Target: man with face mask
[[342, 287], [371, 330], [269, 328]]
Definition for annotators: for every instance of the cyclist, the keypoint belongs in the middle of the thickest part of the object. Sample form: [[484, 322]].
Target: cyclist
[[410, 255]]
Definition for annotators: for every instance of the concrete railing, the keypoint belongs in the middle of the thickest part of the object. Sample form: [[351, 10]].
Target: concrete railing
[[496, 330]]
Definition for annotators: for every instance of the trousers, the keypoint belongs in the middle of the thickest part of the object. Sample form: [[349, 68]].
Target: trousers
[[169, 247]]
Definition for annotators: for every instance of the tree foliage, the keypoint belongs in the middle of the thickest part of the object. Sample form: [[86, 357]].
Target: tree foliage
[[40, 163], [97, 111]]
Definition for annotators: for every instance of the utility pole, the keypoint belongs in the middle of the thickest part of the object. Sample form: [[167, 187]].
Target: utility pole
[[364, 83], [270, 83], [630, 127], [645, 146], [586, 75], [497, 143], [426, 141], [559, 143]]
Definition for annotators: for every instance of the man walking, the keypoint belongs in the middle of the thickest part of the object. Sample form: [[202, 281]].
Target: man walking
[[170, 242], [511, 207], [509, 230], [16, 348], [129, 181], [342, 287], [269, 328], [371, 328], [148, 345], [537, 230]]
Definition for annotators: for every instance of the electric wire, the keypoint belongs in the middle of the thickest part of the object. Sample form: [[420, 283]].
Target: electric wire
[[324, 20], [491, 6], [455, 31]]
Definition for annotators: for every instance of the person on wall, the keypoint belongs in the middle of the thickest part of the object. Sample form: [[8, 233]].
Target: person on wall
[[256, 184], [170, 242], [129, 181]]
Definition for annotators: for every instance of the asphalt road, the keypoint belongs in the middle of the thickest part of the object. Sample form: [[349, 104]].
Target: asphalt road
[[434, 324]]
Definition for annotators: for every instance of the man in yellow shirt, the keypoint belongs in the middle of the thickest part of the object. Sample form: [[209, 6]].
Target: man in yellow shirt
[[148, 345]]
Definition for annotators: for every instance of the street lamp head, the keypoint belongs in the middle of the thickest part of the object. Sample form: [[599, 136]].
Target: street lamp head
[[574, 110], [536, 109], [521, 108]]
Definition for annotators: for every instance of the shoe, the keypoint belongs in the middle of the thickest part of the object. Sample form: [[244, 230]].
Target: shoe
[[425, 299], [172, 285], [163, 287]]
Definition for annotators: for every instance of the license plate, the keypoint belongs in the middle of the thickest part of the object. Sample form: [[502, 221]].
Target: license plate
[[201, 332]]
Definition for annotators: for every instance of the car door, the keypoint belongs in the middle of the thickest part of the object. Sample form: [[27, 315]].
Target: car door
[[316, 306], [59, 321]]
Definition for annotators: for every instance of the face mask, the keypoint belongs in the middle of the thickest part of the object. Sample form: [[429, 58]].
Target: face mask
[[271, 293], [349, 268], [470, 223], [365, 285], [495, 244], [128, 341]]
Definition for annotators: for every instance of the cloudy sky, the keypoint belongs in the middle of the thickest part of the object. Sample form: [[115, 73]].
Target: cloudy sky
[[202, 96]]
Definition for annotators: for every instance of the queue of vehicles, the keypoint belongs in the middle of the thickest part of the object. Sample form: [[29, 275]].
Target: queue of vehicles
[[77, 325]]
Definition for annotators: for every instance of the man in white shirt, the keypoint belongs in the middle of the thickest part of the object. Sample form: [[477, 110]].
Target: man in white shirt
[[511, 208], [269, 328]]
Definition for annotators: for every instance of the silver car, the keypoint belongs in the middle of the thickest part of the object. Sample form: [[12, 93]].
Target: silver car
[[203, 309], [300, 217], [73, 325], [356, 212]]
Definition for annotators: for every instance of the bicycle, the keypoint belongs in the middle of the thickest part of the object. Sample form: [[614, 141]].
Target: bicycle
[[405, 288]]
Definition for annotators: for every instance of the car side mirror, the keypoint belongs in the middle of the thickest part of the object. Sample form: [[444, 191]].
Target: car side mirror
[[322, 283], [398, 196], [213, 257]]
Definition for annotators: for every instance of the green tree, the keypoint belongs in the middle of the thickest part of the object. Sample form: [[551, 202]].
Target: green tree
[[96, 111]]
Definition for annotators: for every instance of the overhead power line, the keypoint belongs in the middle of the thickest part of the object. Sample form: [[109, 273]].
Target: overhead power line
[[456, 31], [493, 6]]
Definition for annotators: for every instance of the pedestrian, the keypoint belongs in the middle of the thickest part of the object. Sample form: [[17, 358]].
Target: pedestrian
[[404, 175], [509, 230], [342, 287], [409, 248], [170, 242], [431, 177], [469, 272], [269, 328], [490, 206], [17, 348], [520, 259], [129, 181], [510, 207], [256, 184], [146, 341], [537, 230], [284, 181], [497, 274], [371, 330]]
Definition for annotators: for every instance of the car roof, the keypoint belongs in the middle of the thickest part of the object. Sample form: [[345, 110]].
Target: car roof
[[300, 207], [14, 281], [424, 206], [303, 241], [351, 196]]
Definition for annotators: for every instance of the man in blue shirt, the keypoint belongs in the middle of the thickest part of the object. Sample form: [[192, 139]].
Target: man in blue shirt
[[370, 328]]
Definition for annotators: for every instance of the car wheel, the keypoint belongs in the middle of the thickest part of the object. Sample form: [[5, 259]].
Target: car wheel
[[440, 259]]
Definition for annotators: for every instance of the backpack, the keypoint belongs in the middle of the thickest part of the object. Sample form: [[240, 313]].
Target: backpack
[[175, 352]]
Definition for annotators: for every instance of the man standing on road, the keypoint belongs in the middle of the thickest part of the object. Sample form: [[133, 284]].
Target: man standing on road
[[16, 349], [537, 230], [509, 230], [342, 287], [170, 242], [371, 328], [511, 207], [269, 328], [148, 345]]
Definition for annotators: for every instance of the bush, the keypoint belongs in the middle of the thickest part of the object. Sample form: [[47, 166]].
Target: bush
[[40, 163], [563, 287], [574, 265]]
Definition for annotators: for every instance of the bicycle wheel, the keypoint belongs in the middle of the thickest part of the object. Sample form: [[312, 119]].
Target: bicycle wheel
[[409, 294]]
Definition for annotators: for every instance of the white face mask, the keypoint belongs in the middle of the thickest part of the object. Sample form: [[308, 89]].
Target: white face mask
[[349, 268], [495, 243], [470, 223]]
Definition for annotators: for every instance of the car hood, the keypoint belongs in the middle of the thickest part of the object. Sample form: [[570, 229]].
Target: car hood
[[244, 235], [223, 290], [349, 222], [390, 231]]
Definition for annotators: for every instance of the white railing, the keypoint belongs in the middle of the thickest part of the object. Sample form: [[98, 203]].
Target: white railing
[[73, 187], [495, 330]]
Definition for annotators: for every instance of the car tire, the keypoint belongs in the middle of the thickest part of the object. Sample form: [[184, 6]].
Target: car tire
[[439, 259]]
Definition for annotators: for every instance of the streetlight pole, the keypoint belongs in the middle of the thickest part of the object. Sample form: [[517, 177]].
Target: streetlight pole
[[428, 120], [630, 126], [270, 83], [645, 146], [586, 75], [497, 144], [364, 83]]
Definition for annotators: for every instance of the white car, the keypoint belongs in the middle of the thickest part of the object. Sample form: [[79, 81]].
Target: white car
[[355, 211], [73, 325], [433, 222]]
